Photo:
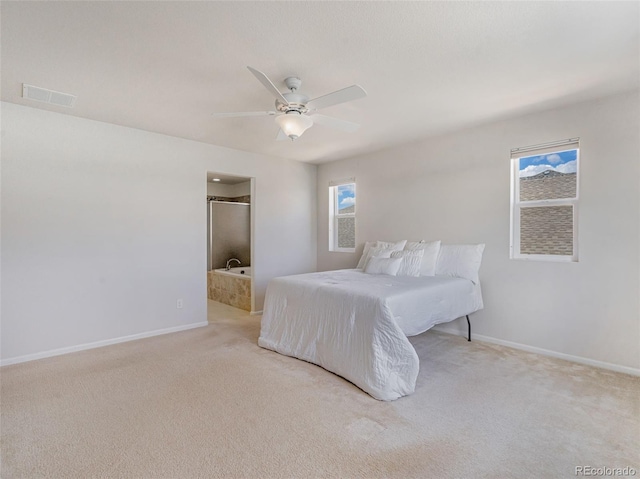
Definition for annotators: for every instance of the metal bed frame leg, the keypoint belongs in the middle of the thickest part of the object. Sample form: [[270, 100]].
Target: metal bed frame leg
[[469, 326]]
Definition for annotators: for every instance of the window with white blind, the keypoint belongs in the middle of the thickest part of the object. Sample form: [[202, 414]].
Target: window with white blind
[[544, 201], [342, 215]]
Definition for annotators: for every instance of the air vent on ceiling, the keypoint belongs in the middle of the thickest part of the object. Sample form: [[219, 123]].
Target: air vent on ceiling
[[47, 96]]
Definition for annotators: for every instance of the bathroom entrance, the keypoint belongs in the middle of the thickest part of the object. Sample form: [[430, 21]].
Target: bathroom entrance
[[229, 240]]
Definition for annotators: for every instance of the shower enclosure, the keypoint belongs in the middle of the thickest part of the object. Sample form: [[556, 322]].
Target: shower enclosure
[[229, 236], [229, 233]]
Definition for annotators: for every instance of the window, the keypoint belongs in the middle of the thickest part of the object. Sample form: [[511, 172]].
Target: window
[[544, 201], [342, 216]]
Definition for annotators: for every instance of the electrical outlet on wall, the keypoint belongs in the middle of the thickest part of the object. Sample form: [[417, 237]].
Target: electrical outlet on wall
[[179, 304]]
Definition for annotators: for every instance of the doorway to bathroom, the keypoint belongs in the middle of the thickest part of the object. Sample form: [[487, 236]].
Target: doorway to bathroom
[[230, 242]]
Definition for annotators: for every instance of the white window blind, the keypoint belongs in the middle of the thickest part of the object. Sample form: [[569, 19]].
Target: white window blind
[[344, 181], [545, 148]]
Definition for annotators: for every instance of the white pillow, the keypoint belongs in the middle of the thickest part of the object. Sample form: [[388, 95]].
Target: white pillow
[[412, 245], [395, 246], [430, 257], [377, 265], [460, 260], [363, 259], [411, 260], [378, 252]]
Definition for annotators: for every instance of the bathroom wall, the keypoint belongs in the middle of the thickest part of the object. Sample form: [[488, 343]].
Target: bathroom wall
[[229, 191]]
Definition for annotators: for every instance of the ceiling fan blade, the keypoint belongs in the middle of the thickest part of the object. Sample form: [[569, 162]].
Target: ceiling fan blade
[[334, 123], [281, 136], [243, 113], [268, 85], [352, 92]]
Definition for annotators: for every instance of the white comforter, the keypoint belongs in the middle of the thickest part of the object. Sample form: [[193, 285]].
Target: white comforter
[[356, 324]]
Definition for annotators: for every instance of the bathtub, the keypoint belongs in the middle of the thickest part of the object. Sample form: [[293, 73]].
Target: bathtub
[[243, 272], [231, 287]]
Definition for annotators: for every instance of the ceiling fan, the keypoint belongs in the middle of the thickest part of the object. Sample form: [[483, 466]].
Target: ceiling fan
[[295, 113]]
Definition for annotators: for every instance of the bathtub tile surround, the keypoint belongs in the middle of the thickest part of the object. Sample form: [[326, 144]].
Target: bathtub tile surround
[[229, 288]]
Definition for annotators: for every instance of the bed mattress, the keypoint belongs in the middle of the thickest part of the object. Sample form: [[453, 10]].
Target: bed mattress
[[356, 324]]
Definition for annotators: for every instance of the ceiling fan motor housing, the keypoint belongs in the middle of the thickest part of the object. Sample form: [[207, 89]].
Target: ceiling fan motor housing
[[297, 102]]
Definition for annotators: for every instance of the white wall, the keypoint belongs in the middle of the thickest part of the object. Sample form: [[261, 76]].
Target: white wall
[[104, 227], [456, 188]]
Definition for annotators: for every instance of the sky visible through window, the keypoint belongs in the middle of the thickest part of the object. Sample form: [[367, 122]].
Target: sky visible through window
[[346, 196], [561, 161]]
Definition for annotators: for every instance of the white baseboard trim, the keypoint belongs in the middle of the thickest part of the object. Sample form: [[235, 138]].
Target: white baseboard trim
[[99, 344], [255, 313], [543, 352]]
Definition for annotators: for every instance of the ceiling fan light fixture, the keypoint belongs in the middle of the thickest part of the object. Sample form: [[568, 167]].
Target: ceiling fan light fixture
[[292, 107], [294, 124]]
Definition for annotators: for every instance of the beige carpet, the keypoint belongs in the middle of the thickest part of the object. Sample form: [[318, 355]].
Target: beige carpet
[[210, 403]]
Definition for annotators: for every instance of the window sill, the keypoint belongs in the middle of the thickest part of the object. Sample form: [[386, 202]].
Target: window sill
[[545, 258]]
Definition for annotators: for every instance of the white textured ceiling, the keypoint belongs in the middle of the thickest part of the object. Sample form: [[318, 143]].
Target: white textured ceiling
[[428, 67]]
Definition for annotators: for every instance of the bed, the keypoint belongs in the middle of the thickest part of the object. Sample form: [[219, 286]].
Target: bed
[[356, 324]]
